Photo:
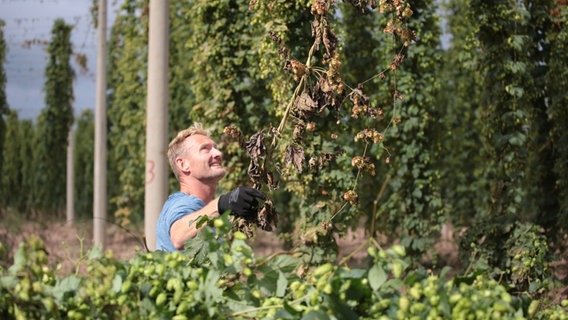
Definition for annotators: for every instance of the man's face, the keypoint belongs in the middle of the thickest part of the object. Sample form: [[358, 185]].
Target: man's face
[[204, 159]]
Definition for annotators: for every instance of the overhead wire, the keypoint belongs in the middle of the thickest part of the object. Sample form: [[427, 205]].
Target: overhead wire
[[27, 33]]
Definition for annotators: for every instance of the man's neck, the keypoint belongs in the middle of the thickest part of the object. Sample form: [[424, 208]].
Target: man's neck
[[199, 189]]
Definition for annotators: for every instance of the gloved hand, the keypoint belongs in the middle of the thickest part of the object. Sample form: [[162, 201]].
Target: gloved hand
[[242, 201]]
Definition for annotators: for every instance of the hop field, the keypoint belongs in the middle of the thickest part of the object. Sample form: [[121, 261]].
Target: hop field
[[219, 276]]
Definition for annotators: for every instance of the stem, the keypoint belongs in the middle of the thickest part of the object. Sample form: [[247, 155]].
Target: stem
[[297, 91], [376, 203], [373, 220], [338, 211], [370, 239], [385, 70], [359, 170], [243, 313], [289, 108], [275, 254], [359, 248], [81, 255], [296, 94], [393, 105], [376, 243]]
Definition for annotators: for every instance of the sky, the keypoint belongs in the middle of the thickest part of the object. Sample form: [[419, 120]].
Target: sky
[[31, 21]]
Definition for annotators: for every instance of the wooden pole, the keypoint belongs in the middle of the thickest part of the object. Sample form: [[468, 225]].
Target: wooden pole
[[156, 190], [70, 178], [100, 174]]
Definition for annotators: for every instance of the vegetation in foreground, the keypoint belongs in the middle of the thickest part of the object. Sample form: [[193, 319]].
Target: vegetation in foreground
[[219, 277]]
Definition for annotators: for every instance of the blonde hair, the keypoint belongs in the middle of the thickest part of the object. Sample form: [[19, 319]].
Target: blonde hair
[[177, 146]]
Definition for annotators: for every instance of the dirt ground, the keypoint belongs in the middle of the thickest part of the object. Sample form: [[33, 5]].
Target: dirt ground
[[67, 245]]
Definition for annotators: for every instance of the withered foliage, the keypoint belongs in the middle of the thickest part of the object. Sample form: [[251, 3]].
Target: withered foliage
[[299, 130], [364, 5], [364, 164], [282, 50], [322, 33], [266, 219], [333, 75], [306, 107], [257, 151], [369, 135], [294, 155], [329, 41], [298, 69], [235, 134], [401, 11], [320, 7], [351, 196], [319, 88], [311, 236], [81, 60], [328, 94], [396, 61], [252, 3], [362, 105], [324, 159]]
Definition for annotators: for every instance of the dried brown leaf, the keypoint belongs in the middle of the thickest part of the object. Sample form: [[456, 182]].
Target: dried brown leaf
[[267, 218], [257, 151], [329, 41], [272, 182], [299, 129], [255, 146], [306, 107], [316, 33], [294, 155]]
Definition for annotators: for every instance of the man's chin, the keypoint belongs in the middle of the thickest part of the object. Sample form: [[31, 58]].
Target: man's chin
[[219, 174]]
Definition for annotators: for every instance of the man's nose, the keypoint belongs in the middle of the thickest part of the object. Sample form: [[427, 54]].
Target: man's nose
[[217, 153]]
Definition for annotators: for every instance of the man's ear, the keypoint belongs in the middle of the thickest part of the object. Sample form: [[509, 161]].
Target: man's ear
[[183, 165]]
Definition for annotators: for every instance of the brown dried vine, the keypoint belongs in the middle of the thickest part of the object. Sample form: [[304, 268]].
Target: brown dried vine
[[266, 219], [310, 99]]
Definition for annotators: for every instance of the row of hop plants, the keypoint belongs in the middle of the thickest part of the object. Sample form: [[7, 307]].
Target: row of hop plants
[[219, 277]]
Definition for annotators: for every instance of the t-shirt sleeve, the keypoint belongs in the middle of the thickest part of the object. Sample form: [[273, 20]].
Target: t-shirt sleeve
[[177, 206], [183, 207]]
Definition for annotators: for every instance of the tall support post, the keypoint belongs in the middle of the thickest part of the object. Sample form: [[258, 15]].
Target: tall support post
[[70, 179], [100, 174], [156, 190]]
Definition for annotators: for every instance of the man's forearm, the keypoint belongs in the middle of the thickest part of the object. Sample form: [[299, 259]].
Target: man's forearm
[[186, 227]]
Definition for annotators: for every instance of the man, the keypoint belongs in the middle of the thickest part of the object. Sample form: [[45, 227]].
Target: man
[[197, 165]]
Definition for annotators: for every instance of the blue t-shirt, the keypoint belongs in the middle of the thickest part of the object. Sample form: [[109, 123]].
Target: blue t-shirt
[[176, 207]]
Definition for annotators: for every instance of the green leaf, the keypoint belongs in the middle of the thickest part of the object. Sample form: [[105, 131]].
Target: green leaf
[[417, 193], [213, 294], [197, 248], [285, 263], [377, 276], [352, 273], [67, 285], [287, 313], [534, 286], [95, 253], [116, 283], [281, 284], [515, 91], [316, 315]]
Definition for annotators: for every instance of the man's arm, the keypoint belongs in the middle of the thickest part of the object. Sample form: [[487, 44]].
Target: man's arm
[[241, 201], [186, 227]]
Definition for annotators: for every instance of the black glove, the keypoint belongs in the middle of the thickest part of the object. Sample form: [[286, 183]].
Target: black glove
[[242, 201]]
